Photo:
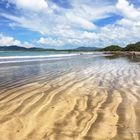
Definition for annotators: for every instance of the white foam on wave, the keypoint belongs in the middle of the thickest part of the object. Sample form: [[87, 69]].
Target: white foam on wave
[[18, 59], [28, 60], [38, 56]]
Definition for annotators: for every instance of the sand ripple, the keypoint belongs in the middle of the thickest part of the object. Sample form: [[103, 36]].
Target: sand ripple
[[98, 103]]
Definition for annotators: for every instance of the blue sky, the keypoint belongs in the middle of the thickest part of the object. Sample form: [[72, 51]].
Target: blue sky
[[69, 23]]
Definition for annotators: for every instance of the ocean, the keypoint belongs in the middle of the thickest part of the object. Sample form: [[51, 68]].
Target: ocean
[[15, 57]]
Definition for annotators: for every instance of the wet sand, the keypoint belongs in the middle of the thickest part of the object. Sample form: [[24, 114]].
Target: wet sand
[[99, 102]]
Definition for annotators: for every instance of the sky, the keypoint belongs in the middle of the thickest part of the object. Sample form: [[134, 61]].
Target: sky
[[66, 24]]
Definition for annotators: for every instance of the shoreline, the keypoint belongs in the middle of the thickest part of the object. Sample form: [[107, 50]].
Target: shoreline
[[124, 53]]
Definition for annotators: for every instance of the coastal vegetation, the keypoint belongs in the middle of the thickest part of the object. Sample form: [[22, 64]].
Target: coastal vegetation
[[129, 47], [133, 47], [112, 48]]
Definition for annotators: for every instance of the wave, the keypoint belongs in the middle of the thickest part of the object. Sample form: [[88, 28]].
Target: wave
[[18, 59], [28, 60], [38, 56]]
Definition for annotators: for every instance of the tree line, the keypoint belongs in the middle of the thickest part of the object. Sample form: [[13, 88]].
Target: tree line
[[129, 47]]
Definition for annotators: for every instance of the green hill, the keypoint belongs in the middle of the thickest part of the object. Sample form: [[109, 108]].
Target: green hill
[[112, 48], [133, 47], [129, 47], [19, 48]]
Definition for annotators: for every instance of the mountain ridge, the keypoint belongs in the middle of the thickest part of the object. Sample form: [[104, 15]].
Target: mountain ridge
[[20, 48], [129, 47]]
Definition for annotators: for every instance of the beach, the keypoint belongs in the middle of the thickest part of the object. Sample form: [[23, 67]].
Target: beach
[[79, 97]]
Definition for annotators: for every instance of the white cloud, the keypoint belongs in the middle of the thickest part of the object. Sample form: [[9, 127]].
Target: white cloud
[[129, 26], [81, 16], [51, 42], [128, 10], [7, 41], [131, 15], [27, 45], [75, 26], [80, 21], [35, 5]]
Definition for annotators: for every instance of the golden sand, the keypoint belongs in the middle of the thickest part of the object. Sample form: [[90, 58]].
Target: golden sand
[[73, 108]]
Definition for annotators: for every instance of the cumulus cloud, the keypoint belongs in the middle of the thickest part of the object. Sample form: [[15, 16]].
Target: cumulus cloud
[[131, 20], [74, 23], [80, 16], [128, 10], [8, 41], [35, 5], [51, 42]]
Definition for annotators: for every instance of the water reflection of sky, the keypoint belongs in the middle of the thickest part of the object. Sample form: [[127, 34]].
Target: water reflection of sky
[[45, 71]]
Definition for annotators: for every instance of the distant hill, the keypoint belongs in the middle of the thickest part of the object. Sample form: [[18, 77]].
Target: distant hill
[[112, 48], [129, 47], [133, 47], [86, 48], [19, 48]]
